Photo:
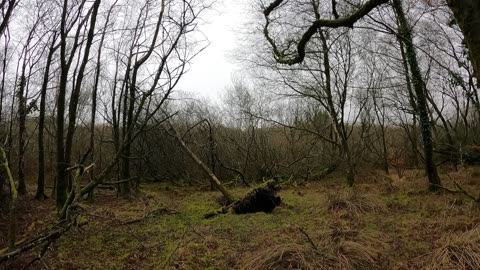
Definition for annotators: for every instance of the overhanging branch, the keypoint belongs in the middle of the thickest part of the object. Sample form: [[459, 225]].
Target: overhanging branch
[[346, 21]]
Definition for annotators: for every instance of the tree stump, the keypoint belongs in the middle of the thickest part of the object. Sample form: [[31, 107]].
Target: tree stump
[[262, 198]]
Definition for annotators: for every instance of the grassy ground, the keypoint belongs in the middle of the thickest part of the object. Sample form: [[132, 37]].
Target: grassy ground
[[383, 223]]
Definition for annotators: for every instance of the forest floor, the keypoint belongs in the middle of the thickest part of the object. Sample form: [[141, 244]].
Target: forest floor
[[382, 223]]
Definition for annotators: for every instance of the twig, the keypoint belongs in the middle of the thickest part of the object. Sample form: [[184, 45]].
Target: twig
[[153, 213], [167, 261], [309, 239], [120, 181], [40, 255]]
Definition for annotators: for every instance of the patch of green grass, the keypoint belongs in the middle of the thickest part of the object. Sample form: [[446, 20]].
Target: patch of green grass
[[399, 201], [409, 226]]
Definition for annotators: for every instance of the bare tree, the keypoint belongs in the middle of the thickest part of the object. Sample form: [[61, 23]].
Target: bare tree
[[64, 148], [98, 69]]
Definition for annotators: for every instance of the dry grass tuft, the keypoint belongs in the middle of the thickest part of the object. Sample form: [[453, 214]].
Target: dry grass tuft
[[355, 255], [281, 257], [351, 250], [474, 172], [459, 251], [354, 203], [336, 249]]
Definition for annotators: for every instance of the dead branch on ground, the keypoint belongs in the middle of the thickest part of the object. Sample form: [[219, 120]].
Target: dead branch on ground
[[460, 190]]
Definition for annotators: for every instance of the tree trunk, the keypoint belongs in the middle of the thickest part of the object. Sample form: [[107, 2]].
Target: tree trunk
[[6, 16], [420, 93], [412, 135], [381, 122], [73, 105], [22, 117], [385, 150], [94, 96], [116, 118], [61, 166], [40, 195], [467, 16], [337, 125], [212, 161], [129, 116], [13, 202], [2, 94], [130, 95], [4, 73], [64, 148], [128, 108]]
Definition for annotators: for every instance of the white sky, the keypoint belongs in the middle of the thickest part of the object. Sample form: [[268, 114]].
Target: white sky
[[211, 70]]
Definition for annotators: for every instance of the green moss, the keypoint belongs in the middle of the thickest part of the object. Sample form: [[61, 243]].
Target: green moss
[[399, 201], [125, 256]]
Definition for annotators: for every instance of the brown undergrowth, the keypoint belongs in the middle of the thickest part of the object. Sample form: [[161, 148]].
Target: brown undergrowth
[[320, 225], [458, 251]]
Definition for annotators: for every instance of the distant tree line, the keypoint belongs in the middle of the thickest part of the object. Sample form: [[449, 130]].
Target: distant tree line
[[345, 86]]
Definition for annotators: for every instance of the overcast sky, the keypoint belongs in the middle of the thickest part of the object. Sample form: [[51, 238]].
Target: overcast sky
[[212, 69]]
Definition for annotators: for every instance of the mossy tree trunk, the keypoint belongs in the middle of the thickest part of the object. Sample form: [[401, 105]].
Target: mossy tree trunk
[[22, 118], [420, 90], [467, 16], [2, 94], [411, 132], [13, 202]]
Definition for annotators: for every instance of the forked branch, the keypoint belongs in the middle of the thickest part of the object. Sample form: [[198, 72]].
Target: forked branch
[[345, 21]]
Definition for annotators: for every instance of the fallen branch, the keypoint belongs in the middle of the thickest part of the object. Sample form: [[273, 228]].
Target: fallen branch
[[213, 178], [459, 190], [309, 239], [107, 187], [464, 192], [153, 213], [49, 236], [167, 261], [216, 212], [120, 181], [76, 192]]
